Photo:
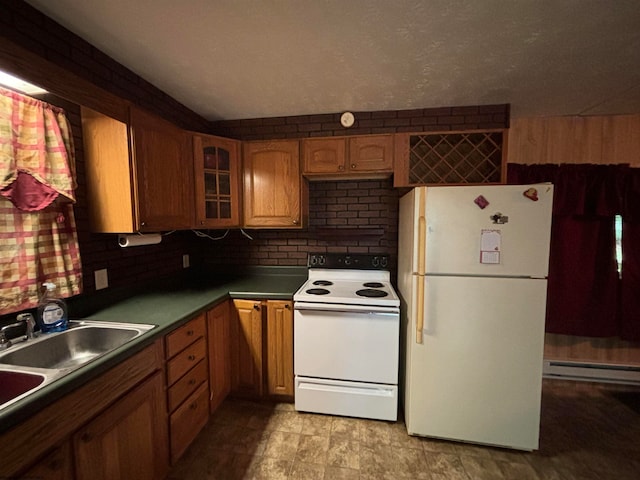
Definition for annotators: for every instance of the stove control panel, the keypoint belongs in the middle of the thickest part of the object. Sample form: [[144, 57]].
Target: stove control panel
[[353, 261]]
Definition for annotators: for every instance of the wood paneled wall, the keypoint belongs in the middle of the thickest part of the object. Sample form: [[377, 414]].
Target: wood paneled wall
[[598, 139], [603, 140]]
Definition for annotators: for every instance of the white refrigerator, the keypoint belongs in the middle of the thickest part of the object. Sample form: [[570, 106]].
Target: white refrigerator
[[472, 277]]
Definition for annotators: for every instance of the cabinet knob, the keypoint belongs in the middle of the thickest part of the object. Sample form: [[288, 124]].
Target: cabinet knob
[[353, 165], [192, 381], [143, 224], [340, 167], [287, 306], [191, 357], [190, 333], [193, 406], [295, 222]]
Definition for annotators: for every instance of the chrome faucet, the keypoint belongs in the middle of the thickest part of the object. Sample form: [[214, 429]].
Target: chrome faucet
[[24, 320]]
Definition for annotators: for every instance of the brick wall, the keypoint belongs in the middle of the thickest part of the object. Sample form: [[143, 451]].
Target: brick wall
[[27, 27], [126, 267], [344, 217], [349, 217], [480, 117]]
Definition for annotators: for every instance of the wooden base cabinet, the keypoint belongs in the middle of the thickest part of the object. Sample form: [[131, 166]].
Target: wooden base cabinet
[[56, 465], [187, 383], [128, 440], [280, 348], [246, 348], [123, 410], [262, 348], [218, 335]]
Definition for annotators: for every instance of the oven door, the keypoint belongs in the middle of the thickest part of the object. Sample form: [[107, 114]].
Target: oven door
[[346, 342]]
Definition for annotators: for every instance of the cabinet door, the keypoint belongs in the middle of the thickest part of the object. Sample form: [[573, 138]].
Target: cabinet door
[[219, 359], [56, 465], [163, 173], [371, 153], [128, 440], [246, 348], [217, 181], [273, 188], [324, 155], [280, 347]]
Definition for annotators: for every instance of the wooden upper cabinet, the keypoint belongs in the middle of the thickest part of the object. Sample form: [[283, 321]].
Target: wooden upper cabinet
[[450, 158], [164, 175], [217, 181], [139, 175], [343, 157], [274, 192]]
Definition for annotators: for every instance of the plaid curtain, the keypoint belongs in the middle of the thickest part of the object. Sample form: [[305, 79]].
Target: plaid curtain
[[38, 239]]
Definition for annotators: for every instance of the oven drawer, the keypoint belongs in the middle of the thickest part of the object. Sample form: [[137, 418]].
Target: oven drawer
[[348, 345], [352, 399]]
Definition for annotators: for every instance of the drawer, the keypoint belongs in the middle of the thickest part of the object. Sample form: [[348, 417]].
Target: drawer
[[180, 338], [186, 360], [187, 385], [187, 421]]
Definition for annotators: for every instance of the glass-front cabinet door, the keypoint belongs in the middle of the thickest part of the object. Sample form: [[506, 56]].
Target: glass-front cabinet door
[[217, 181]]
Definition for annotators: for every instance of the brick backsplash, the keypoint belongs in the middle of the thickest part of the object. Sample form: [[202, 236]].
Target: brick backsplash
[[344, 217]]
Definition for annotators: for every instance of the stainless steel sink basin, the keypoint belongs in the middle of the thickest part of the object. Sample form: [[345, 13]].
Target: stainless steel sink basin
[[15, 384], [71, 348], [29, 366]]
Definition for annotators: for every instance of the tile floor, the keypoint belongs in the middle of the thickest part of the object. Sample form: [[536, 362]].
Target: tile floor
[[588, 432]]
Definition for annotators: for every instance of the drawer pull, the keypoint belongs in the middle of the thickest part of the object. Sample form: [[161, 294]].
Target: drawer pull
[[190, 333], [191, 357], [192, 381], [193, 406]]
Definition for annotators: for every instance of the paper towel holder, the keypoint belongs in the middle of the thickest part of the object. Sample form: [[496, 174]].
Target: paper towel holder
[[137, 240]]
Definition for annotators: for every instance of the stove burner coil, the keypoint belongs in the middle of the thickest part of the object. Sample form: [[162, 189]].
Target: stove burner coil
[[318, 291], [370, 292], [323, 283], [373, 285]]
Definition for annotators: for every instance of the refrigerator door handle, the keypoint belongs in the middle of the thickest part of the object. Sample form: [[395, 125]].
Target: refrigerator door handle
[[422, 253], [420, 308]]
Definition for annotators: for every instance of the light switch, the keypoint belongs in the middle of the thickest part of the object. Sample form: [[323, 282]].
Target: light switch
[[101, 278]]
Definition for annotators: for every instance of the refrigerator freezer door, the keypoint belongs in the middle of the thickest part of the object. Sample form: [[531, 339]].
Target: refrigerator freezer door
[[478, 375], [455, 226]]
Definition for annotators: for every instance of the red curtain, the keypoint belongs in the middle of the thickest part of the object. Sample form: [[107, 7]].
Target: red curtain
[[586, 297]]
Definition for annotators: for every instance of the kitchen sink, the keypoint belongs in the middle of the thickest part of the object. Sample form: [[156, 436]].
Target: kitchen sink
[[15, 384], [30, 365]]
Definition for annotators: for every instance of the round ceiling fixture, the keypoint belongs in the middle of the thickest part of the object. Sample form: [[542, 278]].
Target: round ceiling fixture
[[347, 119]]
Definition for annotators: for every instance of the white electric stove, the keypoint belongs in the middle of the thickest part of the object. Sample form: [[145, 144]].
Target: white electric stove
[[346, 338]]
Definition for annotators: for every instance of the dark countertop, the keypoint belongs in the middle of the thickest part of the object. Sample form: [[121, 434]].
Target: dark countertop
[[167, 305]]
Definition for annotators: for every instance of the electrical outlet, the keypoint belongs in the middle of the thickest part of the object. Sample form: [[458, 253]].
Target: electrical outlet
[[185, 261], [101, 278]]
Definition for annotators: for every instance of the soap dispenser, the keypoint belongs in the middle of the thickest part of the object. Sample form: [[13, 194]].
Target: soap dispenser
[[52, 311]]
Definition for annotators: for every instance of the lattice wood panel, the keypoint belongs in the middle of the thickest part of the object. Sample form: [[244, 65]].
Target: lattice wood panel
[[455, 158]]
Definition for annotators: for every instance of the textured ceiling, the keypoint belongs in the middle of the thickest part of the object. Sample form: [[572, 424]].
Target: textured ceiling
[[231, 59]]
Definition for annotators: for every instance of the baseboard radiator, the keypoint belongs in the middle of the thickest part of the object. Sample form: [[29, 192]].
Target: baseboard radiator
[[591, 372]]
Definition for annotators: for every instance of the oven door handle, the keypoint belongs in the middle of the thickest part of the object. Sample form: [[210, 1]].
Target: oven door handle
[[357, 311]]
